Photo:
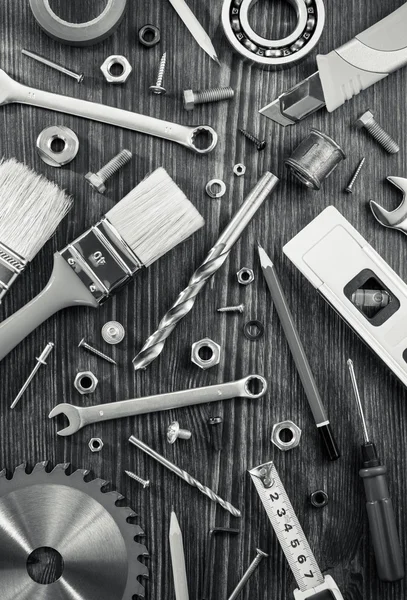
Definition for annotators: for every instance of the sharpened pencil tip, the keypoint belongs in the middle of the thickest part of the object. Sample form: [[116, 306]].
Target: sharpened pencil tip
[[216, 59], [265, 260]]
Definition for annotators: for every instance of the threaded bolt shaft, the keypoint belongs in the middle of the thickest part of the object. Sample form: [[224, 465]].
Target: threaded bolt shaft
[[237, 308], [193, 97], [377, 132], [158, 88], [351, 183], [144, 482], [116, 163], [252, 567], [260, 144]]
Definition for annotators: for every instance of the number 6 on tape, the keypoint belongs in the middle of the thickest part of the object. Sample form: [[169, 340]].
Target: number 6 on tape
[[311, 583]]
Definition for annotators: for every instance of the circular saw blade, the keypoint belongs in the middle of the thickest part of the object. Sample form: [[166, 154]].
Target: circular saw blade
[[78, 520]]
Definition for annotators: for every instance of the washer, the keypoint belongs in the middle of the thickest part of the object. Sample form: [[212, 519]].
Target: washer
[[259, 331], [113, 332], [69, 150], [273, 54], [211, 187]]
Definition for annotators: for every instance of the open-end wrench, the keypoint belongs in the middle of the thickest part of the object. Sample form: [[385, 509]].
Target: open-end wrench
[[12, 91], [397, 218], [252, 386]]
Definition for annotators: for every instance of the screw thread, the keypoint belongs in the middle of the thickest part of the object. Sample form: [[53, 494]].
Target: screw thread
[[250, 136], [116, 163], [143, 482], [213, 95], [238, 308], [382, 137], [355, 175], [161, 70]]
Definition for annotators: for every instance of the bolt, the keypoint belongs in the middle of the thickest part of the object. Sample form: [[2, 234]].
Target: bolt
[[145, 483], [45, 61], [351, 183], [260, 144], [191, 97], [174, 432], [216, 432], [253, 566], [158, 87], [377, 132], [238, 308], [97, 180], [83, 344]]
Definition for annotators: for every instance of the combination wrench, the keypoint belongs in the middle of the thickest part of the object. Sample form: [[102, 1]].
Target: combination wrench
[[190, 137], [252, 386]]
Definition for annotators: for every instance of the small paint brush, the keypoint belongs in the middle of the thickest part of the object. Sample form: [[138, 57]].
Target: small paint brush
[[153, 218], [31, 208]]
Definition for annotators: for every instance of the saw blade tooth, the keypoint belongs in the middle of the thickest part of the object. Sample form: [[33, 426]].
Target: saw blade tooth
[[60, 467], [80, 474], [115, 496], [98, 483], [3, 473], [139, 531], [40, 466], [20, 471]]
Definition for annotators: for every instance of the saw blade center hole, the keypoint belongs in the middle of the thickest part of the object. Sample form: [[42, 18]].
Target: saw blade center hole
[[45, 565]]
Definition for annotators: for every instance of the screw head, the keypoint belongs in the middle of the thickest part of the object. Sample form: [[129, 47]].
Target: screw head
[[261, 145], [364, 119], [173, 432], [215, 420], [95, 181], [158, 89], [189, 101], [261, 553]]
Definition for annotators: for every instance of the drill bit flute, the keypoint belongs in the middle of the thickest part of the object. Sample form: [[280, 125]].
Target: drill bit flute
[[215, 259]]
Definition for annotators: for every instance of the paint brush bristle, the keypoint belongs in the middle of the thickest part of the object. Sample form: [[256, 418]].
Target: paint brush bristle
[[31, 208], [154, 217]]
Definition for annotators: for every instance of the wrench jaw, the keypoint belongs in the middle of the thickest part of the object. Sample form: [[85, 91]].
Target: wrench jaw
[[72, 413], [7, 88], [397, 218]]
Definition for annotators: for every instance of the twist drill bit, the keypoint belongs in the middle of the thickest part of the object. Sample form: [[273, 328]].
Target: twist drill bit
[[185, 476], [215, 259]]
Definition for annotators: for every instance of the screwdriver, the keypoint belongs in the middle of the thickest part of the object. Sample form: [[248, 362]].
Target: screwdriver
[[382, 523]]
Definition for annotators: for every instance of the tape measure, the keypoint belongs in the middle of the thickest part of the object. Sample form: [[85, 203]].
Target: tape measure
[[292, 539]]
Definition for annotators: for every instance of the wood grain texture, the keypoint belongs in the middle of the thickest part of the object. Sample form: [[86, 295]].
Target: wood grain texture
[[339, 533]]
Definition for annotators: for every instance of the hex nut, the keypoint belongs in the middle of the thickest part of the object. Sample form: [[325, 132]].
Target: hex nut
[[116, 59], [65, 135], [211, 348], [149, 35], [189, 99], [239, 169], [245, 276], [292, 428], [95, 444], [85, 382], [364, 119]]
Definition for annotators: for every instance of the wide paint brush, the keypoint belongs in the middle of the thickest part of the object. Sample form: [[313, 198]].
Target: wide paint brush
[[153, 218]]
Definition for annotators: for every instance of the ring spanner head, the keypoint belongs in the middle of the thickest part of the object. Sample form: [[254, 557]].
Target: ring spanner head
[[397, 218]]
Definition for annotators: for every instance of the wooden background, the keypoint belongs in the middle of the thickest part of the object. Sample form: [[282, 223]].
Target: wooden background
[[338, 534]]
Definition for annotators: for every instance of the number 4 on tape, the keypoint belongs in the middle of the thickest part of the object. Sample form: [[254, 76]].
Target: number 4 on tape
[[311, 583]]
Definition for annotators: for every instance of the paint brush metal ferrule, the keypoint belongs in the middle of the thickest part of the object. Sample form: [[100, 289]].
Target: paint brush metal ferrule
[[11, 265], [102, 260]]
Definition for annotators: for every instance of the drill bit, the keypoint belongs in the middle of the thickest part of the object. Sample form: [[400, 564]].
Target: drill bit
[[214, 260], [40, 361]]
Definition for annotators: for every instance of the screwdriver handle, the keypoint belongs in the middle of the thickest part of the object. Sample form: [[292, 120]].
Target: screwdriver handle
[[382, 523]]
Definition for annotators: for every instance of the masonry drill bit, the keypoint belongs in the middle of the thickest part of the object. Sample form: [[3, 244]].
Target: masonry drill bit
[[40, 361], [184, 475], [215, 259]]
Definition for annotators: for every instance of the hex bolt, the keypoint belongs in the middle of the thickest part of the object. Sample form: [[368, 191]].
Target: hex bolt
[[45, 61], [215, 424], [377, 132], [260, 144], [174, 432], [158, 87], [144, 482], [193, 97], [349, 188], [98, 180], [83, 344], [237, 308], [253, 566]]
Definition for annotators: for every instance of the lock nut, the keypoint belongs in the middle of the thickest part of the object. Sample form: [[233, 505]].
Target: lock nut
[[85, 382], [95, 444], [116, 59], [245, 276], [292, 435], [205, 353]]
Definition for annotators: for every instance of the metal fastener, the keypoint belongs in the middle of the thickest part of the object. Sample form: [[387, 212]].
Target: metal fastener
[[237, 308], [83, 344], [144, 482], [245, 276], [205, 353], [149, 35], [174, 432], [216, 426], [319, 498], [158, 87], [125, 69], [286, 435], [193, 97], [95, 444], [260, 144], [351, 183], [98, 180], [210, 548], [45, 61], [253, 566], [40, 361], [113, 332], [85, 382], [377, 132], [239, 169]]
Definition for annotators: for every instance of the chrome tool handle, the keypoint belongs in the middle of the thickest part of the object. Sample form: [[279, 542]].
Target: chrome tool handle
[[252, 386], [369, 57], [181, 134]]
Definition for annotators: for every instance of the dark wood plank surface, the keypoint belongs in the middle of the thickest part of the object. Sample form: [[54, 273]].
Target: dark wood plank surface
[[338, 534]]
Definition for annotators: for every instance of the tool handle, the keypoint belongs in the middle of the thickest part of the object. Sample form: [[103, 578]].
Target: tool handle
[[366, 59], [382, 524], [63, 289]]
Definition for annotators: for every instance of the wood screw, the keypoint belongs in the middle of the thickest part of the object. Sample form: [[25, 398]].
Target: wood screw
[[349, 188]]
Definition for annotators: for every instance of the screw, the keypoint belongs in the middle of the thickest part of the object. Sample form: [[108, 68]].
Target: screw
[[191, 97], [377, 132], [45, 61], [97, 180], [144, 483], [174, 432], [83, 344], [260, 144], [351, 183], [40, 361], [238, 308], [158, 87], [253, 566], [216, 432]]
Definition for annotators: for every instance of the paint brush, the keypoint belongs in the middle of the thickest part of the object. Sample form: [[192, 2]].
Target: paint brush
[[153, 218], [31, 208]]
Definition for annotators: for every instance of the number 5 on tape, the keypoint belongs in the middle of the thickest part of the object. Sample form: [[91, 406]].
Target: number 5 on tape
[[311, 583]]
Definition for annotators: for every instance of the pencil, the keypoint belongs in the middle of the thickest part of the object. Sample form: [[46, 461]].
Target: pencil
[[178, 559]]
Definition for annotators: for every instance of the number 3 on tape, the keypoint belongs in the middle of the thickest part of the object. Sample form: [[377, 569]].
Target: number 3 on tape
[[311, 583]]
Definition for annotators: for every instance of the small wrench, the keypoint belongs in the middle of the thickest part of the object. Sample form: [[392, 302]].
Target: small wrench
[[252, 386], [12, 91], [397, 218]]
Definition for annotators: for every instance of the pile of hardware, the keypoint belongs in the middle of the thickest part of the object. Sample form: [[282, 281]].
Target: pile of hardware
[[147, 223]]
